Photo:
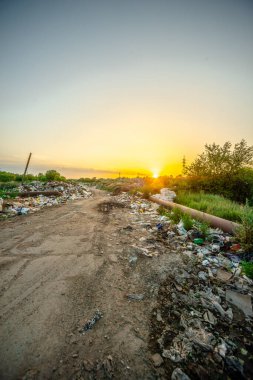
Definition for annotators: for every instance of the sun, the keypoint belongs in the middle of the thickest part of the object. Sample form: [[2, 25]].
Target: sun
[[155, 174]]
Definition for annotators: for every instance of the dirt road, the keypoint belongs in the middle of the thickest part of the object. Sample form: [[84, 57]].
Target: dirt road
[[57, 267]]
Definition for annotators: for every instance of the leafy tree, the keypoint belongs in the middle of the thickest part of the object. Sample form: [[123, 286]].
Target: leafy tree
[[53, 175], [219, 160]]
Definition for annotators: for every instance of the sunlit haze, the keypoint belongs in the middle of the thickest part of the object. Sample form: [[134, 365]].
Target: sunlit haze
[[109, 88]]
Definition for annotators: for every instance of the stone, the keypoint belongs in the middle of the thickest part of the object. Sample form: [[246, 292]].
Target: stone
[[202, 276], [224, 275], [178, 374], [88, 365], [209, 317], [234, 367], [157, 360], [113, 258], [241, 301]]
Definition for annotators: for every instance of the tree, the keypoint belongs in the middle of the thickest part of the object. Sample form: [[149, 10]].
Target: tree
[[219, 160], [53, 175]]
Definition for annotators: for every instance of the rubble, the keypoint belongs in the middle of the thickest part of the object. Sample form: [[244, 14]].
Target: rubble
[[203, 318], [24, 204], [90, 323], [135, 297], [202, 321]]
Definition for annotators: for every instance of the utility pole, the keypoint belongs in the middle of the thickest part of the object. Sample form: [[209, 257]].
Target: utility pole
[[184, 165], [27, 164]]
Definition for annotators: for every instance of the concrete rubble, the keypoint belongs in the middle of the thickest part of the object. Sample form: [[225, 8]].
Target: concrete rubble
[[24, 205]]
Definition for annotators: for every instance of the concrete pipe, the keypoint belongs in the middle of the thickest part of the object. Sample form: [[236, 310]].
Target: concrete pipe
[[213, 221]]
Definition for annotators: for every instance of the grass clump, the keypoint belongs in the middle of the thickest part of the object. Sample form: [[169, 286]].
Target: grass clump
[[244, 233], [212, 204], [188, 222], [202, 227], [247, 268], [176, 215], [8, 190]]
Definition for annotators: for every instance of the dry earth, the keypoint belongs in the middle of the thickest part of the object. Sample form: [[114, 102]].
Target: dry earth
[[57, 268]]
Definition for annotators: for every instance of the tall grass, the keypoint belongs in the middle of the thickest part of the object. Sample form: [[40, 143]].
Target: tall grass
[[212, 204]]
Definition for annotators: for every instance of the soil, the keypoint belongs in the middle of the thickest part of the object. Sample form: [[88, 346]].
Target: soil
[[57, 268]]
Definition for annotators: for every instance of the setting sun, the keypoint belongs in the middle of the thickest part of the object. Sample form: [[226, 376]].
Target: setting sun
[[155, 174]]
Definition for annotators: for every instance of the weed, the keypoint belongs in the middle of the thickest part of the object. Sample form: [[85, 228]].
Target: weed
[[8, 193], [163, 211], [244, 233], [211, 204], [176, 215], [247, 268], [187, 221], [203, 227]]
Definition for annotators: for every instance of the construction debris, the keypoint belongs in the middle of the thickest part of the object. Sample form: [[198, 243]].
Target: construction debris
[[36, 195]]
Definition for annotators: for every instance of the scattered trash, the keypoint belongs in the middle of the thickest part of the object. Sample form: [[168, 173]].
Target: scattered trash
[[198, 241], [89, 324], [178, 374], [166, 195], [133, 260], [32, 196]]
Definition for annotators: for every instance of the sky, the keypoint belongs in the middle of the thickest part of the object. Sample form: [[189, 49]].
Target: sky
[[94, 88]]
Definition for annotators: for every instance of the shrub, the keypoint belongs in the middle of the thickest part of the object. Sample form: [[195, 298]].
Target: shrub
[[244, 233]]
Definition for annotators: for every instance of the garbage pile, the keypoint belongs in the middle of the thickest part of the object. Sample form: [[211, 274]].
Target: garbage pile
[[166, 195], [30, 203], [202, 325]]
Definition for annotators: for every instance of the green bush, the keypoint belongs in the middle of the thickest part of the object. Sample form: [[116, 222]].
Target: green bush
[[247, 268]]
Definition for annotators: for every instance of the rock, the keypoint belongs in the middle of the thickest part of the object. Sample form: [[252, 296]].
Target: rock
[[178, 374], [88, 365], [158, 316], [242, 301], [135, 297], [202, 276], [222, 349], [223, 275], [234, 367], [157, 360], [113, 258], [209, 317], [215, 248]]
